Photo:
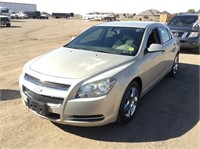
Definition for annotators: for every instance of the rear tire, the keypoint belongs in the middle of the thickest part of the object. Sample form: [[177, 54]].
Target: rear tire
[[174, 69], [129, 103]]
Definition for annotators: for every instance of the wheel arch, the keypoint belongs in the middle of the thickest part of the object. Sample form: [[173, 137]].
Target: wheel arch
[[139, 81]]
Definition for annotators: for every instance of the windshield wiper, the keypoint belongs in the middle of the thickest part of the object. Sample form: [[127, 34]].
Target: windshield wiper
[[73, 47], [102, 51]]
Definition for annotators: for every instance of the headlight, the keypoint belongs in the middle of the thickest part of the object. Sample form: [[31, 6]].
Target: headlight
[[193, 34], [95, 89]]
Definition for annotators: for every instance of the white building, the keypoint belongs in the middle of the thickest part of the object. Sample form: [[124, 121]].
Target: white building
[[96, 16], [18, 7]]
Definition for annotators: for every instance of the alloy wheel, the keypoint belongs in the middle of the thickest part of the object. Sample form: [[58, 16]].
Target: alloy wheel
[[131, 102]]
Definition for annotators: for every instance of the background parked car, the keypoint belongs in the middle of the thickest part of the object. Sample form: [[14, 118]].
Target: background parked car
[[5, 20], [182, 27], [44, 15], [14, 15], [22, 15]]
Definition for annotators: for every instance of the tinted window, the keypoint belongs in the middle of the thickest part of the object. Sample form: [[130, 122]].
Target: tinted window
[[183, 20], [164, 34]]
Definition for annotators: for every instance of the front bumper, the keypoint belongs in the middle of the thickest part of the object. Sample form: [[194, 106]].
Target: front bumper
[[62, 107], [5, 22], [189, 42]]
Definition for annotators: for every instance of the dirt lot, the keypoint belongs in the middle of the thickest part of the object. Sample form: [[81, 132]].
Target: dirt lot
[[167, 117]]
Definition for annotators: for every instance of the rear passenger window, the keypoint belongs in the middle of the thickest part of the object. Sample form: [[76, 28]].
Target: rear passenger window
[[164, 34]]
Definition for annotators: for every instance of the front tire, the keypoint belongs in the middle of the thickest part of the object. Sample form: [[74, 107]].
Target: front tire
[[196, 50], [129, 103]]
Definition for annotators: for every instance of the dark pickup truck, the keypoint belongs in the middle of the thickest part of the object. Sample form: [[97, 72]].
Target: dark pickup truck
[[33, 14], [62, 15], [182, 27], [4, 20]]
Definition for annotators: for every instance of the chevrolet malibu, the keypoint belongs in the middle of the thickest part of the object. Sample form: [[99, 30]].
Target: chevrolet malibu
[[99, 76]]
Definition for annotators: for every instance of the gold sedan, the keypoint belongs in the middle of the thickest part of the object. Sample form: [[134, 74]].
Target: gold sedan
[[99, 77]]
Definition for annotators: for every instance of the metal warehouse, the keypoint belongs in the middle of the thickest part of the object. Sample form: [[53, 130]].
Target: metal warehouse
[[18, 7]]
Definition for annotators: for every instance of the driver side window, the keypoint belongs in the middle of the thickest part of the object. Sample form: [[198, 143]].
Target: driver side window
[[153, 38]]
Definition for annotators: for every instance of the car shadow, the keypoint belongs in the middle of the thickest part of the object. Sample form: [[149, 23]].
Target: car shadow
[[189, 51], [11, 26], [18, 21], [169, 110], [6, 94]]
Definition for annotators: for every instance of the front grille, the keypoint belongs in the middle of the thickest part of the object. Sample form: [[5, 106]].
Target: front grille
[[181, 34], [183, 41], [45, 83], [4, 19], [42, 98], [86, 118]]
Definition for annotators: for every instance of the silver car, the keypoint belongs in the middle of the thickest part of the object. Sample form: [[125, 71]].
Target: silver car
[[99, 77]]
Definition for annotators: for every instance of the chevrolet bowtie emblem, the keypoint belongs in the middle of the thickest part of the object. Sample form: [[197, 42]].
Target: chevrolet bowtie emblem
[[38, 89]]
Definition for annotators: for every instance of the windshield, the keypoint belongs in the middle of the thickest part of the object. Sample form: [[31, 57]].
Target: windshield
[[113, 40], [183, 21]]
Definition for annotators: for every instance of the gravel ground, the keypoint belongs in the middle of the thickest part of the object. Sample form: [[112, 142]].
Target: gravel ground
[[167, 116]]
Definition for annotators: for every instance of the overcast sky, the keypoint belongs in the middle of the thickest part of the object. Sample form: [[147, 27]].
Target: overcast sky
[[116, 6]]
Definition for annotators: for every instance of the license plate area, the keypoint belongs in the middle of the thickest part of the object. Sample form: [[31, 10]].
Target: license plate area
[[39, 107]]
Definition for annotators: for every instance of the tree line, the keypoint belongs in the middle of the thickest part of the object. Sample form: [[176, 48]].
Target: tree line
[[193, 11]]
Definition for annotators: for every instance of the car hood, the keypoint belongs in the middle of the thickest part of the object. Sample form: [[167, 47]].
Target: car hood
[[182, 28], [2, 16], [74, 63]]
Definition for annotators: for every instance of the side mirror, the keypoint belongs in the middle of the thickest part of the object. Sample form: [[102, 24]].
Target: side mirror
[[196, 26], [155, 48]]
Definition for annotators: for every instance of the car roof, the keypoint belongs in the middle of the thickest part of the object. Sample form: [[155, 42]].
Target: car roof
[[139, 24], [187, 14]]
